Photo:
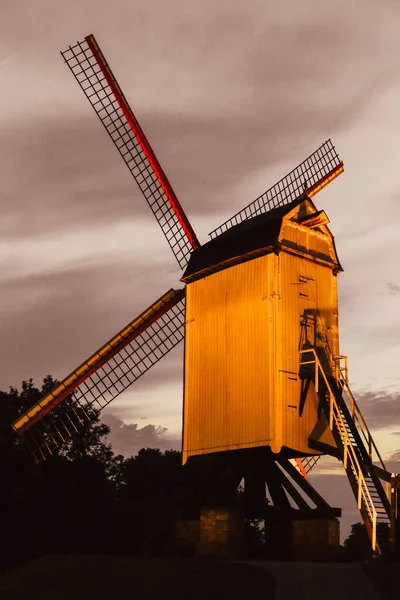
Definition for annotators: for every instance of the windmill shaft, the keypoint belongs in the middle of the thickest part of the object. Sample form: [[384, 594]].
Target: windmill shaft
[[98, 359]]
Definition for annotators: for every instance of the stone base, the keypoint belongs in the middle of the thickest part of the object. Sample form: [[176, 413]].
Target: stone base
[[316, 539], [187, 535], [222, 533], [219, 533], [313, 539]]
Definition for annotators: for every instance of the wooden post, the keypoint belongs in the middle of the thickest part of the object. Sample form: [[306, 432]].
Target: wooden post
[[393, 507]]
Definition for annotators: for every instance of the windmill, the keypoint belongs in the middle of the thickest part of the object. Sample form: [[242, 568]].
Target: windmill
[[264, 380]]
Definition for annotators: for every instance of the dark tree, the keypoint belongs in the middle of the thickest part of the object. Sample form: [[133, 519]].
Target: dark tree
[[358, 546], [68, 502], [84, 499]]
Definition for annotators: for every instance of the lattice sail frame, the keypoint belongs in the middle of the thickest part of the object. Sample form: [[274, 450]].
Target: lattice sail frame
[[92, 72], [80, 397], [308, 178]]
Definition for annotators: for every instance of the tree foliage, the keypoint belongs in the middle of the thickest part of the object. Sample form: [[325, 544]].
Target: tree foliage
[[357, 546], [84, 498], [57, 505]]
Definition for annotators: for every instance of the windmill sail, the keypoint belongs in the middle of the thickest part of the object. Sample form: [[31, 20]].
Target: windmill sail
[[308, 178], [79, 398], [91, 70]]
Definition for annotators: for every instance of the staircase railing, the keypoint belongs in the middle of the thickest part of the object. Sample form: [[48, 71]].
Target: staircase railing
[[364, 449], [339, 368], [351, 460], [341, 376]]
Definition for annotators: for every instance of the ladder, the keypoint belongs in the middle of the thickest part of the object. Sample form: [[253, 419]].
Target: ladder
[[353, 438]]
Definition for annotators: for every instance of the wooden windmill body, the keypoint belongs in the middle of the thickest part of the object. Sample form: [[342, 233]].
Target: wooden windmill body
[[244, 323], [259, 316]]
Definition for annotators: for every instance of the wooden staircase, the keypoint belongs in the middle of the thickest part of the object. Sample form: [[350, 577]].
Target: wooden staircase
[[353, 440]]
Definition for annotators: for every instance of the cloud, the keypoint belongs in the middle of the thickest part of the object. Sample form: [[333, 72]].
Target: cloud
[[76, 179], [380, 408], [395, 456], [393, 287], [392, 462], [55, 320], [239, 107], [73, 179], [128, 439]]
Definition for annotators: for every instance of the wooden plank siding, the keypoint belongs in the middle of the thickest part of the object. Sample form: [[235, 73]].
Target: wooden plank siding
[[243, 327]]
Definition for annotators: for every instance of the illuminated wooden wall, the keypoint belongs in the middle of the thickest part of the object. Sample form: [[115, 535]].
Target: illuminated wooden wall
[[243, 327]]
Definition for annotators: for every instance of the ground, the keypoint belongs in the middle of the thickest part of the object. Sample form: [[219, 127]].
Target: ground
[[320, 581], [126, 578]]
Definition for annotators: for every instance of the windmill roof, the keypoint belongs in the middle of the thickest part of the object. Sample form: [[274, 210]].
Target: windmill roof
[[252, 237]]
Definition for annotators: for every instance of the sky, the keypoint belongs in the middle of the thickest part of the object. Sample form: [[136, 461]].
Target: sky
[[232, 95]]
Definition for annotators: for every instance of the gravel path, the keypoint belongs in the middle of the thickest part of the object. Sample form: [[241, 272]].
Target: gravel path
[[320, 581]]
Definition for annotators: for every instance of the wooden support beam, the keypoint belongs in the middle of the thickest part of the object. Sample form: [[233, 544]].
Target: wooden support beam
[[274, 483], [304, 485], [295, 495]]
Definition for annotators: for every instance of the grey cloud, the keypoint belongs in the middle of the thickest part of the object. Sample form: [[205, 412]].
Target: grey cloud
[[52, 322], [393, 287], [380, 408], [72, 175], [69, 180], [74, 178], [392, 462], [128, 439], [395, 457]]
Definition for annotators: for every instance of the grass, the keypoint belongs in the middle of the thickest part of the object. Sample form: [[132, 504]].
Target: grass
[[124, 578]]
